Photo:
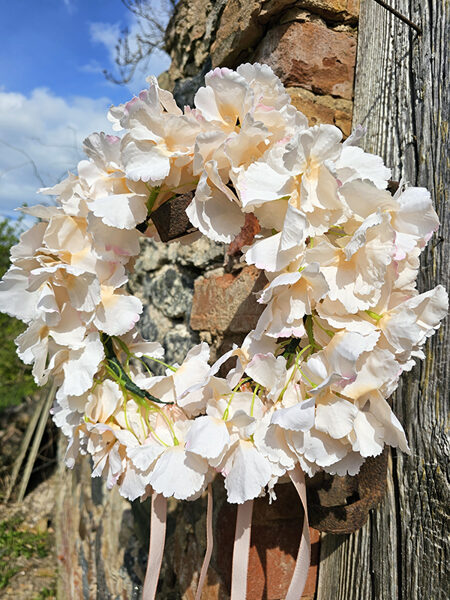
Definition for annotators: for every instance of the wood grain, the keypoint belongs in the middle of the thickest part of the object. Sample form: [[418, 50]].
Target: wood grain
[[401, 97]]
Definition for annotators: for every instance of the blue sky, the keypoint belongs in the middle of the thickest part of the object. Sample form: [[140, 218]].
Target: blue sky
[[52, 89]]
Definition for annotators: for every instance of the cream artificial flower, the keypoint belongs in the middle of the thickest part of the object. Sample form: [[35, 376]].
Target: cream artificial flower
[[343, 318], [355, 266], [158, 147], [111, 197], [289, 297], [302, 175], [412, 215], [247, 113], [165, 461]]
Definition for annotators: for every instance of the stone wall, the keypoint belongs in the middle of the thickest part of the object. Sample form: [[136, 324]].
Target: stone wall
[[199, 291], [310, 44]]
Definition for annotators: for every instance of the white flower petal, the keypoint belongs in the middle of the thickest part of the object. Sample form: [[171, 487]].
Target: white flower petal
[[349, 465], [123, 211], [369, 434], [132, 484], [178, 473], [296, 418], [144, 456], [250, 472], [354, 163], [118, 313], [208, 437], [82, 365], [268, 371], [15, 300], [336, 417], [143, 161], [214, 214]]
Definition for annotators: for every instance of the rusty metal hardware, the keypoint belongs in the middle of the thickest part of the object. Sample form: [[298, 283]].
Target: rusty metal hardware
[[399, 15], [342, 504]]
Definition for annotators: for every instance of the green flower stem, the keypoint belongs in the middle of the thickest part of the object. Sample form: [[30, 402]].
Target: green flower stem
[[255, 393], [373, 315], [160, 362], [309, 330], [152, 431], [115, 369], [227, 410], [172, 430], [327, 331], [154, 193], [125, 395], [297, 366], [311, 383]]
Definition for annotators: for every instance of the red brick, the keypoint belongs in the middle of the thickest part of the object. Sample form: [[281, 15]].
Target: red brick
[[227, 302], [276, 531], [311, 56]]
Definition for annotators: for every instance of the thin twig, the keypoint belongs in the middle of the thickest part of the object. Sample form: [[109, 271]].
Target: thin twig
[[44, 465], [36, 443], [24, 445], [399, 15]]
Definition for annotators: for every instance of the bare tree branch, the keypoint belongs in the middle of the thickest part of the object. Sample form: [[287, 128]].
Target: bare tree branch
[[29, 160], [134, 47]]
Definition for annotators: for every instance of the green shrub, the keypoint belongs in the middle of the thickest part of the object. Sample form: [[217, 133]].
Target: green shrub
[[16, 542], [16, 381]]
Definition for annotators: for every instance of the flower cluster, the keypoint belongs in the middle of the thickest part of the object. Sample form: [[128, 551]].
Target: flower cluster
[[342, 319]]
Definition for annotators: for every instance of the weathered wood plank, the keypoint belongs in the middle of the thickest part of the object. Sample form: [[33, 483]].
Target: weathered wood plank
[[401, 97], [99, 555]]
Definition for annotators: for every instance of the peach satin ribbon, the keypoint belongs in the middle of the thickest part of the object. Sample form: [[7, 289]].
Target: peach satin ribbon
[[240, 549], [242, 546], [158, 517]]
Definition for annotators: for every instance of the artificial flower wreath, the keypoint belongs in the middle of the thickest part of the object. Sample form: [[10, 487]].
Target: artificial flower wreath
[[342, 319]]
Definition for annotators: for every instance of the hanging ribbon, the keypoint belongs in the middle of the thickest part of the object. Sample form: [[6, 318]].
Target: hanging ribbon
[[209, 544], [241, 550], [158, 517], [300, 575]]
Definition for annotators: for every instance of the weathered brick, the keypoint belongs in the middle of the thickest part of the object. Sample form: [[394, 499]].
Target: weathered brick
[[311, 56], [323, 109], [334, 10], [276, 531], [227, 302]]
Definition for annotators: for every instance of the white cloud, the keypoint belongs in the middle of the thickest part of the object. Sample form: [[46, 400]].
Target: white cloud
[[40, 140], [70, 5], [108, 35]]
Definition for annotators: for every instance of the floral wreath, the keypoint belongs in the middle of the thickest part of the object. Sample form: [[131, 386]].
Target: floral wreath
[[342, 320]]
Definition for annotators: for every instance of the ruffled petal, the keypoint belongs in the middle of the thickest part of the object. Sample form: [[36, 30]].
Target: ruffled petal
[[208, 437], [248, 474], [118, 313], [296, 418], [178, 473]]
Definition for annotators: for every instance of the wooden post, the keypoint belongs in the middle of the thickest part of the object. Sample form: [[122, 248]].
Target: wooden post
[[401, 97]]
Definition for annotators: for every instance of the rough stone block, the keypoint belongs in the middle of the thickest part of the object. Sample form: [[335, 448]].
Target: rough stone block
[[334, 10], [201, 254], [170, 291], [226, 302], [239, 30], [323, 109], [311, 56], [177, 343]]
